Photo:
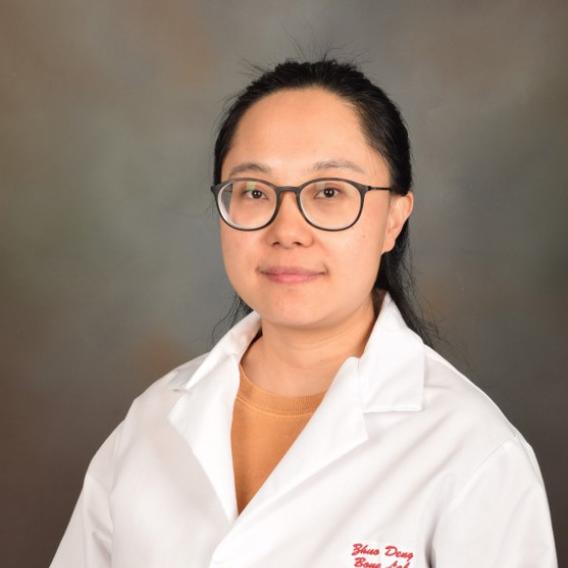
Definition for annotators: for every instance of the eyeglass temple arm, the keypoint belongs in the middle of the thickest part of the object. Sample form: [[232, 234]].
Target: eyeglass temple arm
[[371, 188]]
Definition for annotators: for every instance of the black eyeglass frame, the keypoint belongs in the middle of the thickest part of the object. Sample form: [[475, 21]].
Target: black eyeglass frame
[[280, 189]]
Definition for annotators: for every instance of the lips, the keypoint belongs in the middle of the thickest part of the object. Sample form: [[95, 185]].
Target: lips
[[289, 270], [290, 274]]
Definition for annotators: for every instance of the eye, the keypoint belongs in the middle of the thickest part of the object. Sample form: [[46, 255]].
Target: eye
[[327, 192], [251, 190], [253, 194]]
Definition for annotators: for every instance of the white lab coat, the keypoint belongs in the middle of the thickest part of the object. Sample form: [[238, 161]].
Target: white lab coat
[[404, 464]]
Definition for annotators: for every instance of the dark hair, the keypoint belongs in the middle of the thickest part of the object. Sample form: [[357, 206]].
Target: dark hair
[[385, 131]]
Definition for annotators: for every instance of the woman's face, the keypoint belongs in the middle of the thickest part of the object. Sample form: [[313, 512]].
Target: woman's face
[[287, 133]]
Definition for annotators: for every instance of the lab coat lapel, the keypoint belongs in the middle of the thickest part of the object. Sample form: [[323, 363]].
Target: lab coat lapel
[[203, 414], [392, 367]]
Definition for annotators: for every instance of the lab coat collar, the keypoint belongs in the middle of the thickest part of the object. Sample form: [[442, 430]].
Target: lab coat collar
[[388, 377], [390, 370]]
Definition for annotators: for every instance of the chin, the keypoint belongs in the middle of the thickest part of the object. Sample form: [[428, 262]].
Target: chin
[[291, 306], [292, 314]]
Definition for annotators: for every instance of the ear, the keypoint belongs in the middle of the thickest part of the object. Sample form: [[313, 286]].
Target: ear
[[400, 208]]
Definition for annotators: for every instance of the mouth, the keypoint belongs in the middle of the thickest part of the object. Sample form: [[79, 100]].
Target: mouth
[[290, 274]]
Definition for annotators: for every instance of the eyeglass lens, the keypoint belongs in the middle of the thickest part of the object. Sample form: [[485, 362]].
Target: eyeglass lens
[[329, 204]]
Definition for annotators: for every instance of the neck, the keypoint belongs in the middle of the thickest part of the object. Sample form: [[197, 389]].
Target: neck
[[295, 362]]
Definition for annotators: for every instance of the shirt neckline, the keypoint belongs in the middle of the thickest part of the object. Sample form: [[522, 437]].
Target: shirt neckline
[[267, 401]]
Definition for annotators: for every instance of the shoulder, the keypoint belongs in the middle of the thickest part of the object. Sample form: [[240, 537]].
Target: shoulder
[[453, 395], [474, 424], [149, 410], [145, 419]]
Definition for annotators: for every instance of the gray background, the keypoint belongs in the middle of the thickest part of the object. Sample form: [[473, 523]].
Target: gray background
[[110, 266]]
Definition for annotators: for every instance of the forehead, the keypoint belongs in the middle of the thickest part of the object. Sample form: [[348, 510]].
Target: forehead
[[295, 128]]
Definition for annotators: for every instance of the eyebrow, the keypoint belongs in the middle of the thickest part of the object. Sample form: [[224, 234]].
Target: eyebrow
[[318, 166]]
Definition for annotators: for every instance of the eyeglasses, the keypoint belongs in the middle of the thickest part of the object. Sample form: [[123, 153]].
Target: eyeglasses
[[330, 204]]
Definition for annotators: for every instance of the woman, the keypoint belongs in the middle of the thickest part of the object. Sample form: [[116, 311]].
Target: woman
[[322, 429]]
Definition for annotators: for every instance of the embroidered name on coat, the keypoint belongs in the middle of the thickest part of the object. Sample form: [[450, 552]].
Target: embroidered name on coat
[[366, 555]]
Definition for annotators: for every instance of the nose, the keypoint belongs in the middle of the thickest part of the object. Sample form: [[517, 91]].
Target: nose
[[289, 226]]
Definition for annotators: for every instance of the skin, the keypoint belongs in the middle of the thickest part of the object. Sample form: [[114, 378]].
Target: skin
[[308, 328]]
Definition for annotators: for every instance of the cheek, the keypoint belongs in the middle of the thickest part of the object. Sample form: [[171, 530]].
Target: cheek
[[236, 249], [357, 259], [369, 240], [229, 250]]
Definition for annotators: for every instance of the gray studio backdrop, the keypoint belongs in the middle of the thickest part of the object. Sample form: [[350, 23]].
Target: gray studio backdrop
[[110, 267]]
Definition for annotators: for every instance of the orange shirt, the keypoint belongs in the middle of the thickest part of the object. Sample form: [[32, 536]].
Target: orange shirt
[[264, 426]]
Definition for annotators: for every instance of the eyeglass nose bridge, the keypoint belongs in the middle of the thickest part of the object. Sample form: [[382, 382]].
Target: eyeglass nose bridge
[[280, 190]]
